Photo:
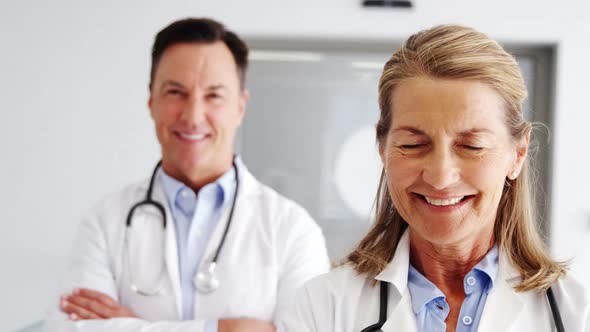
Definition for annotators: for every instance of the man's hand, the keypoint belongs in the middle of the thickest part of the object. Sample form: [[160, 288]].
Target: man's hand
[[85, 303], [244, 325]]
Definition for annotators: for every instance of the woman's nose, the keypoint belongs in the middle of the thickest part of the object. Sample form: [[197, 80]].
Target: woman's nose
[[441, 169]]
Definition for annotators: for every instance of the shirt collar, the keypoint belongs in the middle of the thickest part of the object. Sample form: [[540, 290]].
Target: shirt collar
[[421, 289], [224, 186], [489, 265], [397, 271]]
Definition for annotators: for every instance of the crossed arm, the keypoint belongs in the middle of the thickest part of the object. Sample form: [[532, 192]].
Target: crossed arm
[[84, 303]]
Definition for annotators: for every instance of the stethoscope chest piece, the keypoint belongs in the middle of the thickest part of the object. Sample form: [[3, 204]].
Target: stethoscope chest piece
[[206, 280]]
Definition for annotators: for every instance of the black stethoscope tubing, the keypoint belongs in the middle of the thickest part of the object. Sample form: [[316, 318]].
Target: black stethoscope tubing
[[148, 201], [384, 295]]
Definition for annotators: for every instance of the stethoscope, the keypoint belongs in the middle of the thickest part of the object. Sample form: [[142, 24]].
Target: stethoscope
[[206, 280], [384, 295]]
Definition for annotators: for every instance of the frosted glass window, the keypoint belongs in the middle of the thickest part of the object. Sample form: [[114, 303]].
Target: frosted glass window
[[309, 130]]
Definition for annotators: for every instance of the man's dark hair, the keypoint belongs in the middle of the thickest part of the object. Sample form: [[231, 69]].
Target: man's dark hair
[[200, 30]]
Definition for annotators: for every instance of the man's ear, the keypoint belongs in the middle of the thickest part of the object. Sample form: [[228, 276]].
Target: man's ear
[[244, 98], [150, 105], [522, 150]]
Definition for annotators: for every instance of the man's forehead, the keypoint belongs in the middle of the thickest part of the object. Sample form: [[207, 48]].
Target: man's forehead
[[197, 63]]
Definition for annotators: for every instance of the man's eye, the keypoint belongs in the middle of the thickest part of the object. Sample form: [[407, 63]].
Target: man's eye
[[173, 92]]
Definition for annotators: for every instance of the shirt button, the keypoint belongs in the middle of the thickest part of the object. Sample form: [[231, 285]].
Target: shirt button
[[467, 320], [470, 280]]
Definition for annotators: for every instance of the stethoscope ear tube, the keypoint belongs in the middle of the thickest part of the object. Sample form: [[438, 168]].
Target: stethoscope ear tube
[[148, 200]]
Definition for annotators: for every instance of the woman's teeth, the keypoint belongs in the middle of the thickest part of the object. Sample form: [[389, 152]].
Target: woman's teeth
[[193, 137], [444, 202]]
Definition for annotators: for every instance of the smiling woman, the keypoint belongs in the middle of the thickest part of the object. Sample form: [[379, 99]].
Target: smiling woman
[[455, 245]]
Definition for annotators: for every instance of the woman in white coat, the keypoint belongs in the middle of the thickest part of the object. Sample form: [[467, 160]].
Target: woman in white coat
[[455, 245]]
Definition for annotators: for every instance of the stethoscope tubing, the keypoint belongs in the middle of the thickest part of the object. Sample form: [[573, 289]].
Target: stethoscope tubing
[[150, 201], [384, 295]]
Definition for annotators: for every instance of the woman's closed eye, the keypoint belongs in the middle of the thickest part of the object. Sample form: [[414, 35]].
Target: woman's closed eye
[[412, 146], [472, 147]]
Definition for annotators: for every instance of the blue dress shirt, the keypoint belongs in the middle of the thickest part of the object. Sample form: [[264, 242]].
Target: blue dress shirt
[[431, 308], [195, 216]]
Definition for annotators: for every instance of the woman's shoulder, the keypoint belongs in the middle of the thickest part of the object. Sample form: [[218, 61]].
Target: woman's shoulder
[[573, 301], [570, 290]]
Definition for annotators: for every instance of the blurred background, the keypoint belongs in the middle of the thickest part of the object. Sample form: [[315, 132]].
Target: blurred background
[[75, 124]]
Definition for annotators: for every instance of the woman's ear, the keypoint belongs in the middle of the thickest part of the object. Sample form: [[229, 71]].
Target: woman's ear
[[522, 149], [381, 147]]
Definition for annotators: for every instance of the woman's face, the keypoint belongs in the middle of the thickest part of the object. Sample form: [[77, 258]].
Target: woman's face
[[447, 156]]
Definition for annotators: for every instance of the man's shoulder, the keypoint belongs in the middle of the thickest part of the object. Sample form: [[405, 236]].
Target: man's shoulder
[[128, 192], [268, 198], [342, 279], [112, 205]]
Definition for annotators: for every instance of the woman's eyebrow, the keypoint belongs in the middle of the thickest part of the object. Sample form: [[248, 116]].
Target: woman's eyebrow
[[412, 130], [474, 132]]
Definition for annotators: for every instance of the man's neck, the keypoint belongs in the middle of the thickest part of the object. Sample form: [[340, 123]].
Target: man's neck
[[198, 178]]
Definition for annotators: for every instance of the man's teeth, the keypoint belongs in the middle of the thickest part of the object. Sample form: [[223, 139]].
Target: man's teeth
[[193, 136], [444, 202]]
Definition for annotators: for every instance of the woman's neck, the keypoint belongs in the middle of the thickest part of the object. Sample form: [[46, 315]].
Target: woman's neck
[[446, 265]]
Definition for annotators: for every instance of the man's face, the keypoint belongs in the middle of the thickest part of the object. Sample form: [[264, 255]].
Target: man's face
[[197, 105]]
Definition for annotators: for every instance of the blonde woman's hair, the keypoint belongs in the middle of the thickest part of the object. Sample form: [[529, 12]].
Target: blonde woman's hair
[[457, 52]]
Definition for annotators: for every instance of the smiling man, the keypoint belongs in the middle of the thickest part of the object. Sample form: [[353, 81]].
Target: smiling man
[[217, 250]]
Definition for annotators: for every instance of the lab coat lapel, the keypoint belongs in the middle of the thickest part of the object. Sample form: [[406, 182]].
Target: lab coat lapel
[[503, 305], [242, 211], [171, 249], [400, 316]]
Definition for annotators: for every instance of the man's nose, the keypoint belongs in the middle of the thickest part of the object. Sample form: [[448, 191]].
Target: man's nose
[[194, 110]]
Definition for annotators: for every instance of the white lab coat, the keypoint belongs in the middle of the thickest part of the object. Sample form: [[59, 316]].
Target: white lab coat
[[272, 248], [344, 301]]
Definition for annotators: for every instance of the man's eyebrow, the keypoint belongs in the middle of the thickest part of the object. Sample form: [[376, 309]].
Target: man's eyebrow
[[217, 87], [412, 130], [173, 83]]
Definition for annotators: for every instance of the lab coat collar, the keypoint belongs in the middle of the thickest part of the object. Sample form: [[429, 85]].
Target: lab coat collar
[[248, 187], [396, 272], [400, 316], [503, 305], [171, 250]]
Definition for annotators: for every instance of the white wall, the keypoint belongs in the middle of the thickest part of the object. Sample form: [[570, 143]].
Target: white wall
[[73, 89]]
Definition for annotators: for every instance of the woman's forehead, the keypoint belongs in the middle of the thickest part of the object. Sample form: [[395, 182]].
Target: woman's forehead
[[456, 105]]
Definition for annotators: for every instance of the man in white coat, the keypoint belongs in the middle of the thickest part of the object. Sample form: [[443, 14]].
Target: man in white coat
[[151, 269]]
